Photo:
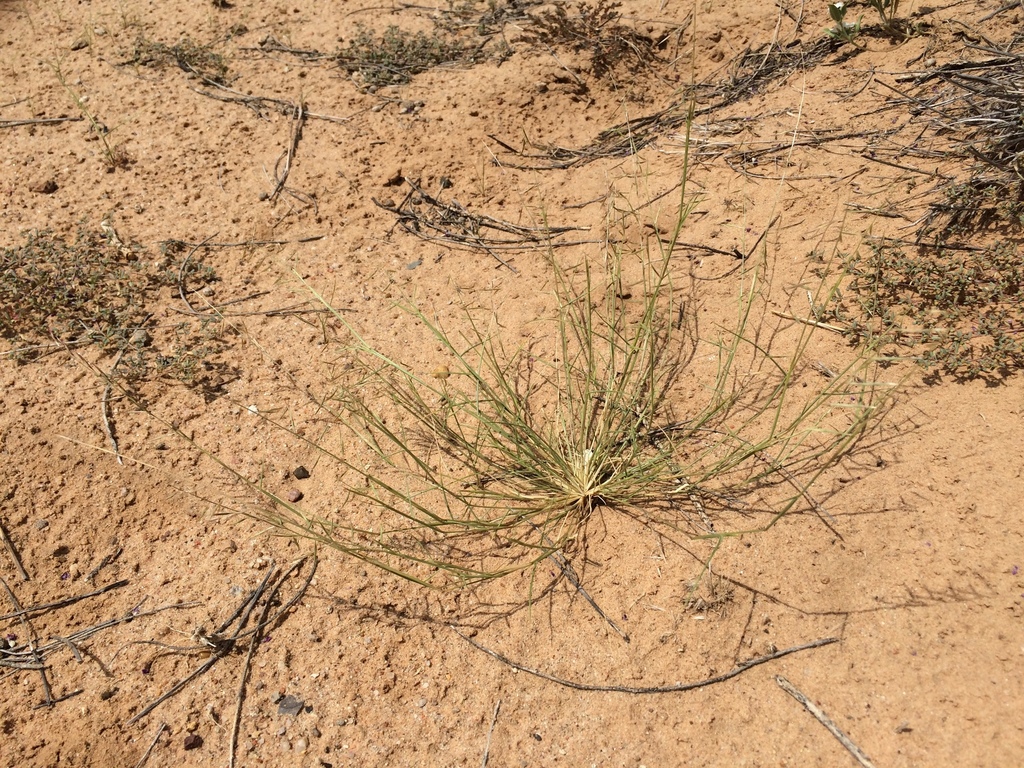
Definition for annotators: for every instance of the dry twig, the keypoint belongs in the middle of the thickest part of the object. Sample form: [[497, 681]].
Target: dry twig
[[39, 121], [490, 732], [156, 738], [677, 688], [9, 546], [219, 644], [824, 719]]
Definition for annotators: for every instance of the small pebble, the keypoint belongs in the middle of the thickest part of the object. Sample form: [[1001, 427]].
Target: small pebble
[[300, 473], [286, 746], [293, 495], [193, 741], [421, 703], [300, 745], [41, 524], [290, 706], [44, 187], [275, 697]]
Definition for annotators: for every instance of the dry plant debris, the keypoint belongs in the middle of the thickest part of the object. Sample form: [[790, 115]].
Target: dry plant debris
[[594, 29]]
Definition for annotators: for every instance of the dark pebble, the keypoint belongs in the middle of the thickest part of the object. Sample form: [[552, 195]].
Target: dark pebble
[[193, 741], [47, 187], [301, 473], [290, 705]]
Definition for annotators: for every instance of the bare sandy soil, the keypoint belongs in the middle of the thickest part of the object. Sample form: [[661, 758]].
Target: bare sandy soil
[[288, 162]]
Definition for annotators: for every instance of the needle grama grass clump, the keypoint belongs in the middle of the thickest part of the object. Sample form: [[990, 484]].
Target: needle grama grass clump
[[501, 457]]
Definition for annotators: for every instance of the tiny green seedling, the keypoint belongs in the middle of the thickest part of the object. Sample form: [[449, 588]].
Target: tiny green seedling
[[844, 31], [887, 13]]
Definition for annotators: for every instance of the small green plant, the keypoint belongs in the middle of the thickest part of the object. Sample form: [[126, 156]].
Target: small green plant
[[114, 155], [888, 12], [194, 58], [94, 291], [844, 31], [396, 56], [957, 311], [50, 287], [593, 29]]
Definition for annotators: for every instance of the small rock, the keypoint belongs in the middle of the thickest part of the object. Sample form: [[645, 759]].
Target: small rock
[[193, 741], [315, 732], [290, 705], [80, 43], [286, 746], [407, 107], [300, 745], [140, 338], [395, 178], [44, 187], [41, 524], [275, 697], [293, 496], [300, 473], [421, 703]]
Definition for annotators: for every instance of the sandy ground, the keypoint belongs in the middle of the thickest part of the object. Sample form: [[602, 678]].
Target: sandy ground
[[919, 578]]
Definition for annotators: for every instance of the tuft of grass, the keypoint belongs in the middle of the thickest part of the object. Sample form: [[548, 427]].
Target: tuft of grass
[[505, 455], [114, 155]]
